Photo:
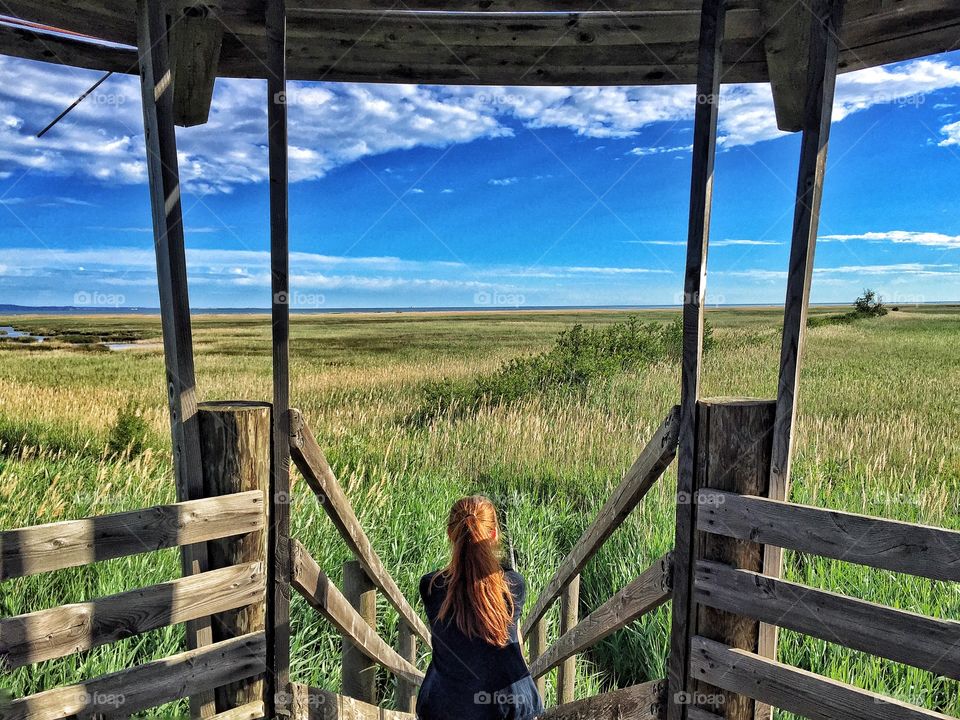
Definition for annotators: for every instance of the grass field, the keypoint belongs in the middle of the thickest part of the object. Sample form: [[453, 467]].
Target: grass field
[[879, 433]]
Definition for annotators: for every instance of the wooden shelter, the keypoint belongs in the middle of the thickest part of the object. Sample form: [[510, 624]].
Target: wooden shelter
[[232, 460]]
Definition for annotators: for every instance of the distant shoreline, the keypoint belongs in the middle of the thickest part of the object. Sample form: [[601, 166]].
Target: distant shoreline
[[15, 310]]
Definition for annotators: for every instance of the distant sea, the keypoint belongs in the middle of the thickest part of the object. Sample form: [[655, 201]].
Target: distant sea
[[74, 310]]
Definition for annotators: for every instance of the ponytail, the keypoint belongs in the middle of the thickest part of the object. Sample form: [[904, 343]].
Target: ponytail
[[478, 598]]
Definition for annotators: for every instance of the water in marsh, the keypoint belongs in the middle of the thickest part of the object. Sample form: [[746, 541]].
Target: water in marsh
[[8, 331]]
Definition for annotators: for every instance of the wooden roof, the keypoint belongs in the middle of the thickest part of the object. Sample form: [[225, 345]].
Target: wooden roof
[[503, 42]]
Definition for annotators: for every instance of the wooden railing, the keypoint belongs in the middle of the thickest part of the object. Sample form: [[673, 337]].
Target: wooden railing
[[314, 585], [61, 631], [647, 592], [905, 637]]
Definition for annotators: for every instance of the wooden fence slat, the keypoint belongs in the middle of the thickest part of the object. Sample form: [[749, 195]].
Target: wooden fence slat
[[315, 469], [315, 704], [59, 631], [250, 711], [311, 582], [647, 469], [921, 550], [145, 686], [650, 590], [794, 690], [924, 642], [54, 546], [637, 702]]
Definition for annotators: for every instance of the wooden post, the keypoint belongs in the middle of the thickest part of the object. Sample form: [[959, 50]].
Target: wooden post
[[710, 64], [536, 646], [406, 698], [278, 696], [825, 24], [359, 673], [164, 180], [734, 438], [569, 616], [235, 444]]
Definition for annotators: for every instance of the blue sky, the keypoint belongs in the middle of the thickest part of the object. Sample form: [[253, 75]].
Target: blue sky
[[442, 196]]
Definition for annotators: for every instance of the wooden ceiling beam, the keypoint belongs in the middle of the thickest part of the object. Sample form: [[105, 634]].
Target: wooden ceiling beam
[[196, 36]]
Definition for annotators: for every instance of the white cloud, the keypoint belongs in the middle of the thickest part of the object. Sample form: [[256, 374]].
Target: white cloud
[[503, 182], [952, 132], [658, 150], [332, 125], [910, 237]]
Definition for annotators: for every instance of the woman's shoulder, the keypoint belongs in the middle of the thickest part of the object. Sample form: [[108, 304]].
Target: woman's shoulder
[[516, 582], [429, 581]]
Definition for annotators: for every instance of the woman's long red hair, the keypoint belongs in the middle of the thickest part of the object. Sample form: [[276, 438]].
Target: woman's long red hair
[[478, 598]]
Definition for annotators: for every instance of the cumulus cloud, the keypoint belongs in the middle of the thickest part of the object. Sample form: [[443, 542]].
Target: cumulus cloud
[[332, 125]]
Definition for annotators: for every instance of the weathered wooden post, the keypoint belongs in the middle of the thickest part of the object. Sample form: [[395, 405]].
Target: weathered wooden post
[[406, 697], [359, 673], [235, 453], [569, 617], [536, 646], [734, 442]]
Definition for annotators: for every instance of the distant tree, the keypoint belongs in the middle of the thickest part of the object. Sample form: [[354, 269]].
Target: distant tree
[[869, 304]]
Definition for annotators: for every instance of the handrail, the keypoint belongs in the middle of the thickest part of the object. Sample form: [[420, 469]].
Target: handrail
[[639, 702], [64, 630], [311, 582], [70, 543], [797, 691], [311, 703], [312, 463], [927, 643], [920, 550], [648, 592], [647, 469], [148, 685]]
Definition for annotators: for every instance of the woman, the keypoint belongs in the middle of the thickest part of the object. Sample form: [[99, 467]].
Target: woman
[[477, 671]]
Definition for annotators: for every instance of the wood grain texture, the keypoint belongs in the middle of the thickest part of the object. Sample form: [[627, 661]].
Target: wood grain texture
[[709, 74], [235, 447], [638, 480], [919, 550], [60, 631], [924, 642], [733, 453], [70, 543], [311, 582], [163, 175], [315, 469], [637, 702], [797, 691], [273, 59], [250, 711], [196, 36], [874, 32], [187, 674], [650, 590], [536, 646], [813, 117], [406, 693], [316, 704], [358, 674], [569, 616]]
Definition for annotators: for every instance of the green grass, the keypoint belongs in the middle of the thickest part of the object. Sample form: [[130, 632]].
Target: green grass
[[877, 433]]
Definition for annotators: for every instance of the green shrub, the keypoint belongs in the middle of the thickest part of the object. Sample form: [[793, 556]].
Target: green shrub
[[868, 305], [130, 432], [579, 356]]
